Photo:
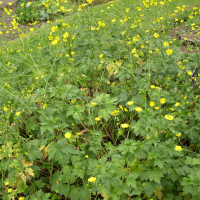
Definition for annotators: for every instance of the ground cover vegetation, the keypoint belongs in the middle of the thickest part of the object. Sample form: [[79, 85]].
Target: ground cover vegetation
[[102, 104]]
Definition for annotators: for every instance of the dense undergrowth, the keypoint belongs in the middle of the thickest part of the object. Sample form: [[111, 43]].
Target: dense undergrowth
[[102, 105]]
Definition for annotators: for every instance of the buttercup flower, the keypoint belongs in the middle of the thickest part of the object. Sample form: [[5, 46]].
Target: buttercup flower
[[124, 125], [97, 118], [89, 1], [5, 109], [177, 104], [10, 190], [166, 44], [68, 135], [152, 86], [66, 35], [94, 104], [178, 135], [86, 156], [178, 148], [92, 179], [169, 51], [156, 35], [7, 183], [18, 113], [151, 103], [162, 100], [130, 103], [190, 73], [138, 109], [169, 117]]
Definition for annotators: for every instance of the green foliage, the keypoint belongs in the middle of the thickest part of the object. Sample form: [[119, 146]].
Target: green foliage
[[101, 106], [32, 11]]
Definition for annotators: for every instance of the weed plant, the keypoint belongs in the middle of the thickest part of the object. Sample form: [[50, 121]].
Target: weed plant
[[100, 105]]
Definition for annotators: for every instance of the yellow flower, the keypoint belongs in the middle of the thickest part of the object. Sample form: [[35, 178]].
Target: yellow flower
[[133, 50], [54, 42], [166, 44], [68, 135], [138, 109], [7, 183], [178, 135], [169, 51], [156, 35], [162, 100], [124, 125], [78, 133], [190, 73], [92, 179], [169, 117], [31, 29], [130, 103], [5, 109], [138, 8], [121, 107], [178, 148], [152, 86], [151, 103], [10, 190], [86, 156], [177, 104], [50, 37], [156, 108], [18, 113], [101, 56], [21, 198], [125, 109], [89, 1], [97, 118]]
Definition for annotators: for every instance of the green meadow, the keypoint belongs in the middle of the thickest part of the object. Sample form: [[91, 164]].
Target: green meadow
[[100, 100]]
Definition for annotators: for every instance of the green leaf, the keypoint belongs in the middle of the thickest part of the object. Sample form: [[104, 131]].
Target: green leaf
[[73, 192], [69, 149], [77, 116], [149, 188], [61, 142], [105, 114], [192, 161], [158, 163], [71, 92], [131, 180], [53, 148], [155, 175], [40, 195], [34, 153], [39, 183], [76, 160], [57, 184], [22, 187], [11, 118], [152, 155], [83, 193]]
